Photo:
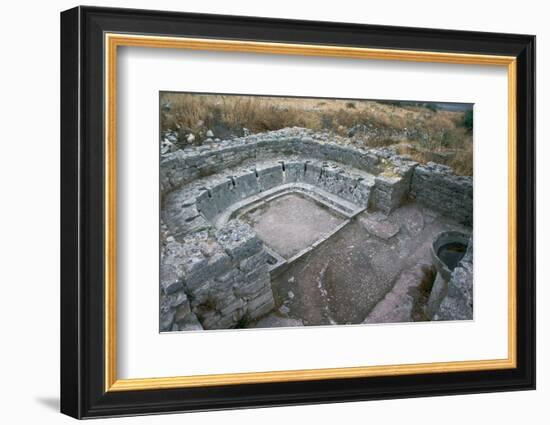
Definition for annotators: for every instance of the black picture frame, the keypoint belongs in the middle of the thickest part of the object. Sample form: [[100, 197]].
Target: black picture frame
[[83, 392]]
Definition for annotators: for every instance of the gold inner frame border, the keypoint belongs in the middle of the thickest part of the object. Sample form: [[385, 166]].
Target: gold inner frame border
[[113, 40]]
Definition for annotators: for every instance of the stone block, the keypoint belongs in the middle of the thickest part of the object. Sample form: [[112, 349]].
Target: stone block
[[381, 229], [294, 171], [312, 173], [229, 276], [182, 311], [239, 240], [247, 184], [176, 299], [256, 274], [169, 279], [389, 192], [195, 270], [185, 228], [360, 193], [232, 307], [218, 264], [200, 293], [251, 289], [261, 305], [166, 318], [253, 262], [208, 318], [190, 323], [270, 177]]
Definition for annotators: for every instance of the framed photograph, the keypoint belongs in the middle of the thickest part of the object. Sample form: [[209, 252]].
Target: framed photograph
[[261, 212]]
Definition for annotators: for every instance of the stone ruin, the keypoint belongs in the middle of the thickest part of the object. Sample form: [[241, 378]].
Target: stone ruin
[[216, 269]]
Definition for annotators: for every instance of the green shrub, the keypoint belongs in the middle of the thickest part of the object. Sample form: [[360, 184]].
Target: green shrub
[[468, 120], [431, 107]]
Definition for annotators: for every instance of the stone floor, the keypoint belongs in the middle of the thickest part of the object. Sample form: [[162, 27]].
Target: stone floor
[[341, 281], [291, 223]]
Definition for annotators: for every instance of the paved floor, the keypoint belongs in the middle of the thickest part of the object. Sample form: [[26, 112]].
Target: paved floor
[[341, 281], [291, 223]]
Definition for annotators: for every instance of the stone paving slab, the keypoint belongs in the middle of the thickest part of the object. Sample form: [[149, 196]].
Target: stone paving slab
[[381, 229]]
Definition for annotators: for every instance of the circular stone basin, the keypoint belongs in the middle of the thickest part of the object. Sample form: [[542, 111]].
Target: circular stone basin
[[447, 250]]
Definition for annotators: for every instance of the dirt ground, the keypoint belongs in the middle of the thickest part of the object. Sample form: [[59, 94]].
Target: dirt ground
[[291, 223], [342, 280]]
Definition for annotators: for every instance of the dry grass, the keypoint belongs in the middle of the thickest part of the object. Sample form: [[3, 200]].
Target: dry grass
[[432, 130], [457, 155], [230, 114], [463, 163]]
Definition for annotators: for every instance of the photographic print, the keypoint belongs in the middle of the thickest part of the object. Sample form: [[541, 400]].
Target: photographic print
[[289, 211], [319, 196]]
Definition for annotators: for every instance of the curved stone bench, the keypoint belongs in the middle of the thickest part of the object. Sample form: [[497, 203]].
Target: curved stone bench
[[318, 195], [184, 166], [330, 183]]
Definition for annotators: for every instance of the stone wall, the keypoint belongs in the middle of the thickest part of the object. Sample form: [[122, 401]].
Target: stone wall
[[183, 166], [437, 187], [392, 187], [214, 279]]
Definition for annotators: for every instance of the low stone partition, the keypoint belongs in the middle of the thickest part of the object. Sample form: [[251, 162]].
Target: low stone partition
[[220, 194], [391, 188], [437, 187]]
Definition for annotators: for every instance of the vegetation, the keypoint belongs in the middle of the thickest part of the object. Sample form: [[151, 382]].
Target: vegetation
[[243, 323], [421, 130], [468, 121]]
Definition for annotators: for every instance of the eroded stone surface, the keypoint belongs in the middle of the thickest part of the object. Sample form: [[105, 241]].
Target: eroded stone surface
[[435, 186], [380, 228], [398, 304], [458, 304]]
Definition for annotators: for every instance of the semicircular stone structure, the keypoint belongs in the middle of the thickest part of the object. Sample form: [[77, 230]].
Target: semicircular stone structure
[[215, 269]]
